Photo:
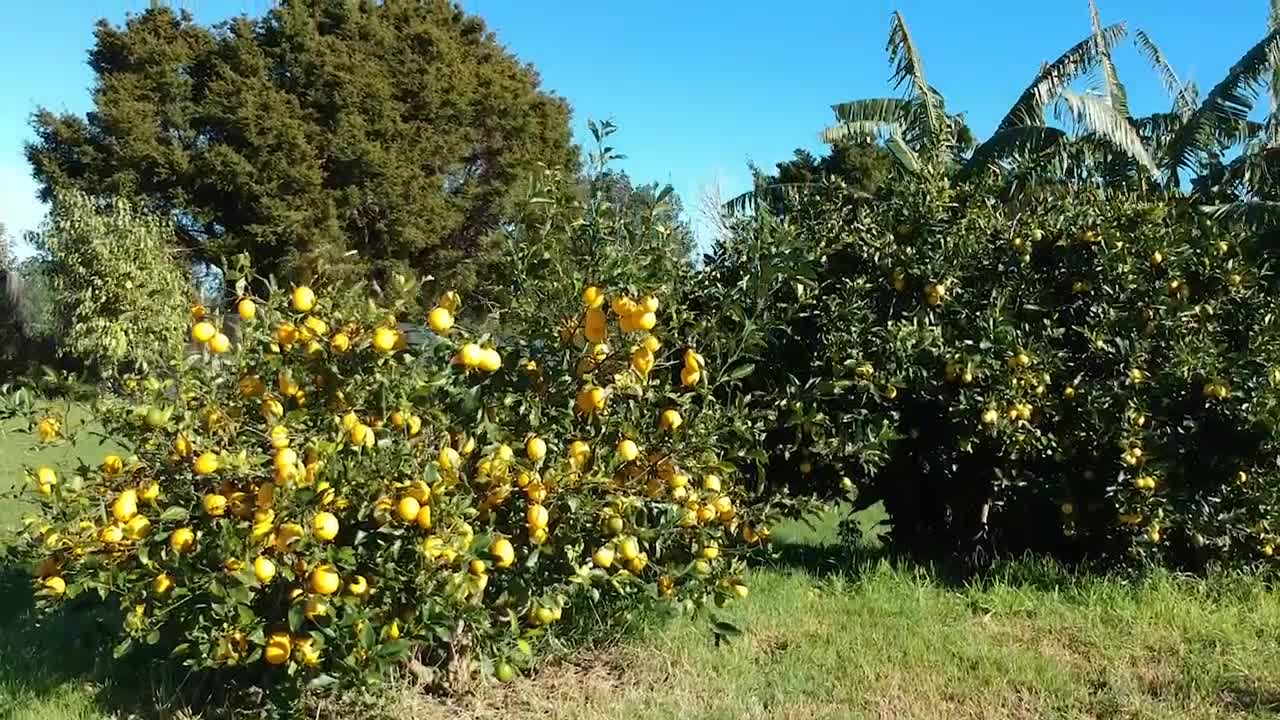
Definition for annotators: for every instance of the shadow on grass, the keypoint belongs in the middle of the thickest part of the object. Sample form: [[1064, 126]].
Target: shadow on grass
[[40, 655]]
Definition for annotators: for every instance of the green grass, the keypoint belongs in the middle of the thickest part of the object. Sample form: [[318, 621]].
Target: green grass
[[873, 640], [825, 636]]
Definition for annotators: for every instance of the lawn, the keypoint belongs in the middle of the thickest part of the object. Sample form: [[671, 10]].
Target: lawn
[[826, 636]]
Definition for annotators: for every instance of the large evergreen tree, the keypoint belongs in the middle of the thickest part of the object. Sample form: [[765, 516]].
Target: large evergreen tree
[[333, 136]]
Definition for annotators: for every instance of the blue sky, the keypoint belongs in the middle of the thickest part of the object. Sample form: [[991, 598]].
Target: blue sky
[[700, 87]]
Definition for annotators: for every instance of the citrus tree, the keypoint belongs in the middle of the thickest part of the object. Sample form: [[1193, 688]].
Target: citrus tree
[[1067, 368], [321, 492]]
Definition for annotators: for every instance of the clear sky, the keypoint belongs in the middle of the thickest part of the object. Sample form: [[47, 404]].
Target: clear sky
[[698, 87]]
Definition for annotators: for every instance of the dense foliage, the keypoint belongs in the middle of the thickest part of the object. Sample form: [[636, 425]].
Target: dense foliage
[[121, 289], [394, 129]]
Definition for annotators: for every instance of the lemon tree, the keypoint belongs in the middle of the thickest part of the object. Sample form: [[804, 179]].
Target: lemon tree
[[321, 492]]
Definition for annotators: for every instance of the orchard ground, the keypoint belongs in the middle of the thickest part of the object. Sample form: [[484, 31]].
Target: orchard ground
[[826, 636]]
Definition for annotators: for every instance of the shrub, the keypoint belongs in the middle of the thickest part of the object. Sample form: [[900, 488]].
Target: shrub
[[324, 491], [121, 295], [1078, 370]]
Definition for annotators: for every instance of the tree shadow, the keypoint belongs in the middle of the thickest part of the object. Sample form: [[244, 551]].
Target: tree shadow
[[39, 654]]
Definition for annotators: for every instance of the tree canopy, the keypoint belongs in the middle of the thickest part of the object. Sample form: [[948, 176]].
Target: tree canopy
[[326, 137]]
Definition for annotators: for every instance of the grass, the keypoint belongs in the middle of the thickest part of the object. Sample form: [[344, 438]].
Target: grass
[[826, 635]]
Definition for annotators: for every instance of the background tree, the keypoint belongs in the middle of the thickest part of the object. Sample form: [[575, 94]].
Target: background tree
[[340, 138], [648, 205], [122, 293]]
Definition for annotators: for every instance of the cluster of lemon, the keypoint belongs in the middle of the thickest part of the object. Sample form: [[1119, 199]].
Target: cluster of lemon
[[341, 522]]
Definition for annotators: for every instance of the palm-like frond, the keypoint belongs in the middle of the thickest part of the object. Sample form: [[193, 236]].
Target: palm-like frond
[[1113, 89], [1182, 103], [767, 193], [1021, 141], [1256, 213], [908, 68], [870, 116], [1273, 24], [903, 152], [1226, 105], [1056, 76], [1098, 116]]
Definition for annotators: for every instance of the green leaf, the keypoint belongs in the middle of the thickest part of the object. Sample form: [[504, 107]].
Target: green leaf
[[173, 513]]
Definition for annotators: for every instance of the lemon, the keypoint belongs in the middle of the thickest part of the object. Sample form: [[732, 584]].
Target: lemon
[[358, 586], [690, 376], [125, 506], [112, 465], [739, 590], [306, 650], [424, 517], [303, 299], [55, 585], [503, 553], [205, 464], [182, 540], [627, 450], [535, 449], [246, 309], [414, 424], [340, 342], [646, 320], [490, 360], [670, 420], [385, 339], [203, 332], [536, 517], [477, 567], [48, 429], [220, 343], [278, 648], [593, 297], [279, 437], [629, 548], [440, 320], [324, 580], [603, 557], [579, 453], [138, 527], [504, 672], [46, 477], [162, 584], [449, 459], [408, 508], [215, 505], [590, 400], [324, 526], [111, 534], [263, 569], [361, 435], [594, 325], [711, 482]]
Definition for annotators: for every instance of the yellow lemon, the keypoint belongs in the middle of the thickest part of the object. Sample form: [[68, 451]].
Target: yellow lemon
[[670, 420], [358, 586], [125, 506], [603, 557], [593, 297], [263, 569], [340, 342], [112, 465], [303, 299], [440, 320], [214, 504], [138, 527], [182, 540], [203, 332], [279, 437], [536, 517], [324, 580], [162, 584], [629, 548], [646, 320], [205, 464], [55, 585], [278, 649], [408, 508], [627, 450], [324, 526], [490, 360], [503, 553], [579, 453], [385, 339], [424, 517], [246, 309], [536, 449], [449, 459], [711, 483], [594, 326], [220, 343], [111, 534]]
